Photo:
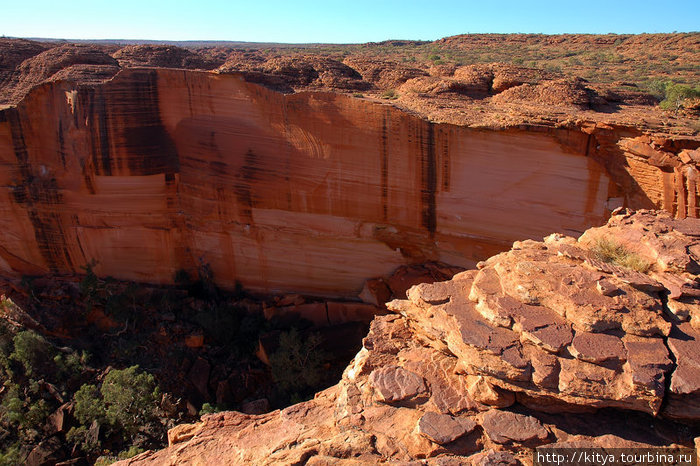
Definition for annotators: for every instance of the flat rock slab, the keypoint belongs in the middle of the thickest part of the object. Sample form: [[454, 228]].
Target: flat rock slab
[[597, 347], [685, 344], [507, 427], [394, 383], [443, 428], [648, 360], [494, 458]]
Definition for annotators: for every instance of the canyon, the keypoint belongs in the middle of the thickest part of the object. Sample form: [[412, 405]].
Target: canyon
[[365, 188]]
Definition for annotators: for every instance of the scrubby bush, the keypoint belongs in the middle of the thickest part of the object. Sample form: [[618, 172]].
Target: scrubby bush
[[297, 365], [125, 404], [131, 398], [677, 94], [89, 406], [10, 456], [84, 439], [31, 350], [209, 408], [673, 96], [390, 95]]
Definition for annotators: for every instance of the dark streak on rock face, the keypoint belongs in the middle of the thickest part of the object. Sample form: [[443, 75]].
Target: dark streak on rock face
[[130, 115], [429, 179], [445, 165], [99, 134], [385, 171], [61, 143], [150, 148], [248, 174], [40, 195]]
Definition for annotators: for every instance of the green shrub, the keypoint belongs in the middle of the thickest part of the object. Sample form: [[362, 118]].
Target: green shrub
[[12, 407], [82, 437], [31, 350], [106, 460], [36, 415], [89, 406], [126, 401], [90, 285], [130, 453], [677, 94], [10, 456], [131, 398], [208, 408], [390, 95]]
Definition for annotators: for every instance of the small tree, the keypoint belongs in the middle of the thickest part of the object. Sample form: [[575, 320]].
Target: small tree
[[89, 406], [31, 350], [297, 364], [677, 94], [131, 398]]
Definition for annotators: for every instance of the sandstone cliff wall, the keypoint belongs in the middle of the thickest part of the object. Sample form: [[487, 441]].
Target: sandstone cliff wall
[[161, 170]]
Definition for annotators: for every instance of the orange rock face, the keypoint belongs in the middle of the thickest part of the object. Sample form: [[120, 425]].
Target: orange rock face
[[161, 170]]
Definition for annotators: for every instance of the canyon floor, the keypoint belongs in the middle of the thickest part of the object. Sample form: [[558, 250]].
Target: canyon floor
[[334, 254]]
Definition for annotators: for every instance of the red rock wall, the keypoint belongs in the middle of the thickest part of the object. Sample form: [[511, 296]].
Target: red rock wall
[[158, 170]]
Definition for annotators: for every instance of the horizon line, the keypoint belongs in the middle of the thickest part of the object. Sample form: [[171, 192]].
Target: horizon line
[[63, 39]]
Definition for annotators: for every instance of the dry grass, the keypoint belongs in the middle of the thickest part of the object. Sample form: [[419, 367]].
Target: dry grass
[[612, 252]]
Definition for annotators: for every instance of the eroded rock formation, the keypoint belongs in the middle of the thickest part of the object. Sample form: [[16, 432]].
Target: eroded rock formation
[[160, 170], [534, 348]]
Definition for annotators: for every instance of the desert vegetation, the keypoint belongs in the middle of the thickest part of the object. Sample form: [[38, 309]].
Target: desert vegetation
[[610, 251], [131, 370]]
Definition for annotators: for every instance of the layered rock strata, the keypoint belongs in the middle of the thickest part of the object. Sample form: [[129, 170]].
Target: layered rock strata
[[160, 170], [551, 343]]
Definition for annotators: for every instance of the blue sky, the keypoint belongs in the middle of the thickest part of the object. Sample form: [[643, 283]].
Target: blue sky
[[336, 21]]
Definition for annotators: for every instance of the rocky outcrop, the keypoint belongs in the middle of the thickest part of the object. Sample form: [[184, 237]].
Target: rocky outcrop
[[562, 329], [162, 56], [84, 64], [552, 343]]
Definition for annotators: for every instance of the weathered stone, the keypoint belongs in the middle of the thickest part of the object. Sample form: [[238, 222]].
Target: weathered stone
[[199, 376], [684, 309], [684, 396], [506, 427], [443, 357], [685, 344], [47, 452], [492, 457], [449, 392], [648, 361], [597, 347], [395, 383], [484, 392], [183, 432], [194, 341], [376, 292], [59, 420], [443, 428], [260, 406], [607, 287]]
